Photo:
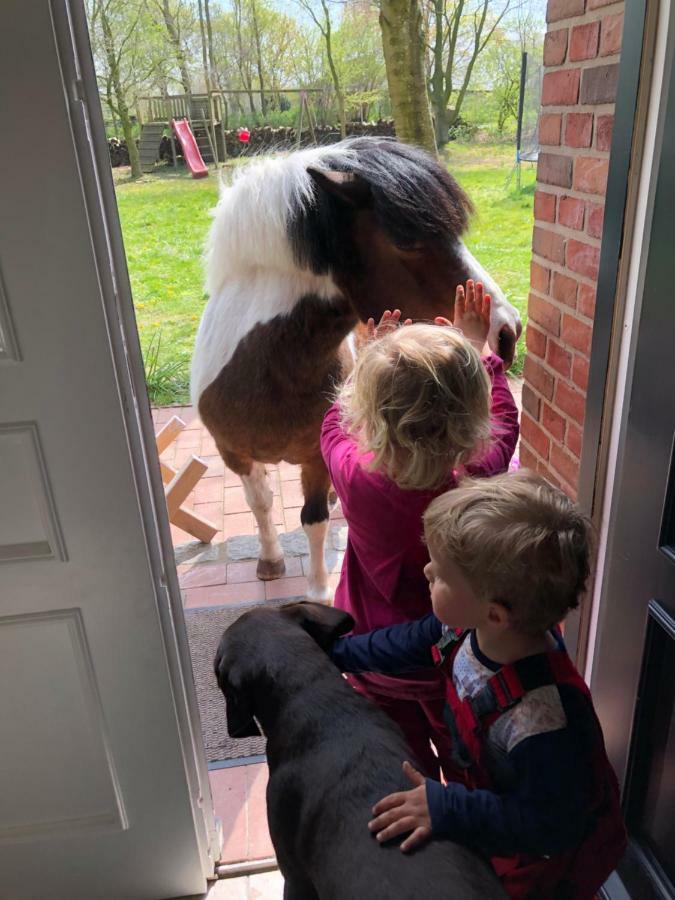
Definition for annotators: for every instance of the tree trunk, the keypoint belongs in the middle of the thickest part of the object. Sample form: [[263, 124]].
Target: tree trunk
[[202, 32], [403, 45], [328, 37], [118, 93], [174, 38], [259, 63]]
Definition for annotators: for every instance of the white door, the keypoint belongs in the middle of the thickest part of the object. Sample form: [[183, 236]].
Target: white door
[[103, 787]]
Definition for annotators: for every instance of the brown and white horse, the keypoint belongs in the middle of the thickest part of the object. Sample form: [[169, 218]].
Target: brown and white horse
[[303, 248]]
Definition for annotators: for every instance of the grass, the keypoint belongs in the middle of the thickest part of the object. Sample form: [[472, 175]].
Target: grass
[[165, 219]]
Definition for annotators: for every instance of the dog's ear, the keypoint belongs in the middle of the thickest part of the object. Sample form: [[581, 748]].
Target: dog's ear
[[324, 623], [239, 708], [240, 721]]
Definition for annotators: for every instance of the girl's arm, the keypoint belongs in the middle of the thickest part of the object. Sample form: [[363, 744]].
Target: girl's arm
[[505, 427], [398, 648]]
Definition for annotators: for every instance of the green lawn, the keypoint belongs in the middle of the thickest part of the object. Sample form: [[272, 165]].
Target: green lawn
[[165, 221]]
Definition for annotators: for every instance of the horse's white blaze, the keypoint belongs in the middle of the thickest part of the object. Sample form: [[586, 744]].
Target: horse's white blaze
[[259, 497], [251, 274], [502, 312], [317, 580]]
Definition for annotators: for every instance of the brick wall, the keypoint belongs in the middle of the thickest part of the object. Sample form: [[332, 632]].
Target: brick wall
[[581, 53]]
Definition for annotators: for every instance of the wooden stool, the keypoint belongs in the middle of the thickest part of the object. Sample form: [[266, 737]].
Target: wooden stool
[[178, 484]]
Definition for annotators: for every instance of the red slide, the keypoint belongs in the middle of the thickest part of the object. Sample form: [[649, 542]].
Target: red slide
[[191, 155]]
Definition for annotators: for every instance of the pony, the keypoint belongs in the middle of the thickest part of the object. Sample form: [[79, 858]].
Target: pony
[[302, 249]]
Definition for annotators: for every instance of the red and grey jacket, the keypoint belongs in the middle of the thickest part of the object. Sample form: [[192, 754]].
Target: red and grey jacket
[[578, 872]]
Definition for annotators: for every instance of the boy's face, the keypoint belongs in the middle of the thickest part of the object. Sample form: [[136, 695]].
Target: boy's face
[[453, 599]]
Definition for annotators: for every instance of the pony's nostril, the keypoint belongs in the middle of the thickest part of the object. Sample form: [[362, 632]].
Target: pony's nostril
[[507, 345]]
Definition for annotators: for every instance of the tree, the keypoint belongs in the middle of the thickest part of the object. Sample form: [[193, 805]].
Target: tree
[[173, 19], [359, 58], [122, 45], [460, 31], [404, 50], [322, 19]]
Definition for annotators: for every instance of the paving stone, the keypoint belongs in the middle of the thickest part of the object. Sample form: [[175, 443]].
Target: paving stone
[[244, 546], [196, 552], [294, 543], [338, 537]]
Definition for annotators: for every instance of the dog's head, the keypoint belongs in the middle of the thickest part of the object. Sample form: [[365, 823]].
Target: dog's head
[[249, 645]]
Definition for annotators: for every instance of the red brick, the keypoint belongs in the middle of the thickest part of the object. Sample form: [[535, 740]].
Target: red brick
[[538, 377], [544, 206], [566, 464], [584, 41], [582, 258], [535, 437], [580, 367], [553, 168], [564, 289], [577, 334], [531, 401], [560, 88], [535, 341], [550, 127], [563, 9], [553, 422], [590, 174], [574, 440], [578, 129], [598, 84], [545, 470], [559, 359], [539, 277], [544, 313], [586, 300], [527, 458], [610, 38], [570, 401], [604, 126], [555, 47], [596, 4], [548, 244], [571, 213], [596, 215]]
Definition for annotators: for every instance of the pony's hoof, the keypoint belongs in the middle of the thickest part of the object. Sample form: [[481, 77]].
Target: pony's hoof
[[269, 569], [332, 499], [320, 594]]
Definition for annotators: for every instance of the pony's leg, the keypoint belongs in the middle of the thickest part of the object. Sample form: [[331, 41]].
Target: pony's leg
[[314, 518], [259, 497]]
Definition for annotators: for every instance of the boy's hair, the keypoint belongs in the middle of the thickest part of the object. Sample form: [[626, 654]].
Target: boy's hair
[[419, 400], [519, 542]]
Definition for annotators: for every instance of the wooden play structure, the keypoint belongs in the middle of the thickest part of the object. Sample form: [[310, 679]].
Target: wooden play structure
[[207, 117], [179, 483]]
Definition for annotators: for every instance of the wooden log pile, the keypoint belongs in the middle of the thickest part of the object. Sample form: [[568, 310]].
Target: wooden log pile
[[264, 139]]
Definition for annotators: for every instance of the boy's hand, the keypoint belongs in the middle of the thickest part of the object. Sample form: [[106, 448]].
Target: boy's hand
[[472, 313], [405, 811], [390, 321]]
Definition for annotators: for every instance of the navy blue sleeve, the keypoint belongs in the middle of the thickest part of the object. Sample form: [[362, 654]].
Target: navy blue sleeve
[[398, 648], [546, 811]]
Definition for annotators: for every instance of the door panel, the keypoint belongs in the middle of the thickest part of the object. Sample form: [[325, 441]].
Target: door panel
[[103, 784], [632, 653]]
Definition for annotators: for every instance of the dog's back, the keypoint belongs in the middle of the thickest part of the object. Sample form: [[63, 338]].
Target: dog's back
[[321, 793], [332, 755]]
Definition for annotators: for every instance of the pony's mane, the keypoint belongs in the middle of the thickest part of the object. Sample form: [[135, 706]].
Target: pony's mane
[[274, 217]]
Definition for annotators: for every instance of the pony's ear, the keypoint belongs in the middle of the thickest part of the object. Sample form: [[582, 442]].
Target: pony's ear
[[346, 186], [324, 623]]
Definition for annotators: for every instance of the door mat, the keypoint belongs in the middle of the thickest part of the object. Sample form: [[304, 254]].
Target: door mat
[[205, 627]]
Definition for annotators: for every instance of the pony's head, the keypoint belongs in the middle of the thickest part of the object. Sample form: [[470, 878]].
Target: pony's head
[[374, 219]]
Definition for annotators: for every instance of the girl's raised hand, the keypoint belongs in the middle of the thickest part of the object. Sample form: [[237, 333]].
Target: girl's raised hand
[[472, 313], [389, 322]]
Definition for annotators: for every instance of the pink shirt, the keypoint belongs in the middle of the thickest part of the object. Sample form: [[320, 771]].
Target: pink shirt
[[382, 580]]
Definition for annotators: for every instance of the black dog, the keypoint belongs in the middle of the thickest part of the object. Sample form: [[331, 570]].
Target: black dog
[[332, 755]]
